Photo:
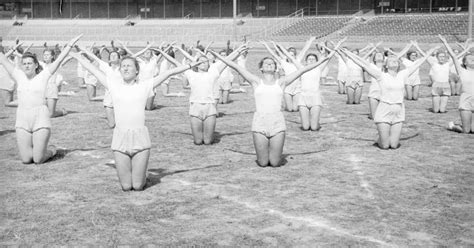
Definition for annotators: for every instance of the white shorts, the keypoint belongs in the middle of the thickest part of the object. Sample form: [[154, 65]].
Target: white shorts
[[310, 100], [268, 124], [390, 113], [33, 119], [202, 110], [466, 102], [130, 140]]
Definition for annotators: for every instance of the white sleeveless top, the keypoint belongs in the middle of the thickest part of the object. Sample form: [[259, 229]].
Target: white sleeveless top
[[268, 97]]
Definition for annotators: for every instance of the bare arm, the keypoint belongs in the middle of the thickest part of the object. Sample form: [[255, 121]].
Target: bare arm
[[219, 65], [419, 62], [168, 73], [295, 61], [286, 80], [185, 54], [465, 51], [125, 47], [375, 73], [272, 53], [169, 58], [415, 44], [403, 51], [305, 49], [254, 80], [456, 63], [91, 68], [55, 65]]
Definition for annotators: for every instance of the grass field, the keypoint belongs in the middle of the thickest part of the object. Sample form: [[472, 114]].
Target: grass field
[[336, 189]]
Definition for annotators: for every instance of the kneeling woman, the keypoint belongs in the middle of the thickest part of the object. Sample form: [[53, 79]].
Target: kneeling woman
[[131, 141], [268, 125], [33, 123], [390, 113]]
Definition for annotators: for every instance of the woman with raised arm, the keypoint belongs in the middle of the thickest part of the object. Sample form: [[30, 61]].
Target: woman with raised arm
[[7, 84], [131, 141], [466, 101], [412, 85], [440, 88], [54, 83], [33, 124], [268, 126], [390, 113], [202, 109], [378, 60], [354, 79], [310, 100], [292, 92], [111, 70]]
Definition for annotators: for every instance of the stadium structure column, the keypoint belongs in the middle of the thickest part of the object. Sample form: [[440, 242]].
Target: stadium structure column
[[234, 23], [469, 32]]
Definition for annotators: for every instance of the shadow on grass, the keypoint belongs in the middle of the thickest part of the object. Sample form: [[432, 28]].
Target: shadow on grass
[[284, 155], [61, 153], [372, 140], [322, 123], [240, 113], [218, 136], [5, 132], [155, 175]]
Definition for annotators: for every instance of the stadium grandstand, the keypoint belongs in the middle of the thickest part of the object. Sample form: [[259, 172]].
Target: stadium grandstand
[[215, 20]]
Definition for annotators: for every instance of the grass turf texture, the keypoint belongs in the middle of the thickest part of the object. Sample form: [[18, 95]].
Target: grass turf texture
[[336, 189]]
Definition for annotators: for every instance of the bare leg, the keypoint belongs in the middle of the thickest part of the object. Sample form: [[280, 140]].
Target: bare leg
[[288, 102], [150, 103], [294, 99], [395, 133], [304, 114], [436, 103], [197, 130], [466, 120], [357, 94], [208, 128], [458, 87], [261, 144], [109, 113], [315, 113], [373, 104], [409, 92], [276, 149], [384, 135], [40, 144], [139, 167], [24, 141], [416, 92], [341, 88], [225, 96], [52, 108], [123, 164], [452, 85], [350, 95], [91, 92], [7, 97], [443, 104]]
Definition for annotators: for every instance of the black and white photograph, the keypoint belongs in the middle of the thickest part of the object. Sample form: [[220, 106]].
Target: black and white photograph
[[236, 123]]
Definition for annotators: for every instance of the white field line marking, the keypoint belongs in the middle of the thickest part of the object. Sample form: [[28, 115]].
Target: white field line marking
[[360, 173], [213, 190]]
